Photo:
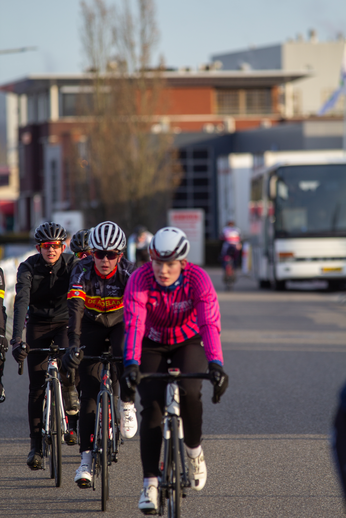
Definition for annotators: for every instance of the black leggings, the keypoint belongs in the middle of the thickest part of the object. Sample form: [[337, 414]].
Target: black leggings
[[40, 336], [93, 338], [188, 356]]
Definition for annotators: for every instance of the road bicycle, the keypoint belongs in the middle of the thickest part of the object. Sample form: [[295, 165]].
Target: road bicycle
[[54, 420], [174, 479], [229, 275], [106, 438]]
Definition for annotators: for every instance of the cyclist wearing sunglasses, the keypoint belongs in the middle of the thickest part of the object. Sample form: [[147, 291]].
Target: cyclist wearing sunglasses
[[42, 285], [96, 309], [172, 319], [80, 244]]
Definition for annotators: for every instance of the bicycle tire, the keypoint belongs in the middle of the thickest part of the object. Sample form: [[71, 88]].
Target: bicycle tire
[[174, 489], [46, 443], [55, 430], [104, 455], [116, 432]]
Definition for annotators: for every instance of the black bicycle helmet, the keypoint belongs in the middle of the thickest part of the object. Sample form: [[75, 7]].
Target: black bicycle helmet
[[107, 236], [80, 241], [50, 231]]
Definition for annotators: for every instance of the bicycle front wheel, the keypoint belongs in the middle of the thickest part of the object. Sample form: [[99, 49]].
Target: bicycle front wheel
[[173, 472], [104, 455], [55, 432]]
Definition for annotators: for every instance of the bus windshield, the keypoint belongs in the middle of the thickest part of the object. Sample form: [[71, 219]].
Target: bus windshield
[[310, 200]]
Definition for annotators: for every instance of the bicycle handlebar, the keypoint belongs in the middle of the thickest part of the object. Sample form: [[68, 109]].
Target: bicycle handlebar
[[20, 368], [166, 376], [104, 358], [21, 364], [51, 350], [48, 350]]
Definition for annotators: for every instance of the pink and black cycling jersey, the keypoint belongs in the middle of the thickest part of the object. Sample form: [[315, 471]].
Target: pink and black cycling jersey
[[173, 314]]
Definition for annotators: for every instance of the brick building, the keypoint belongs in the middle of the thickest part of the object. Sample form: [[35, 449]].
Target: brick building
[[209, 103]]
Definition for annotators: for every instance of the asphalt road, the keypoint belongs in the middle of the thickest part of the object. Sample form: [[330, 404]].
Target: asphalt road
[[266, 444]]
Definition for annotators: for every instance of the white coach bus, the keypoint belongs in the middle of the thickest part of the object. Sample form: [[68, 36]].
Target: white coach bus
[[298, 218]]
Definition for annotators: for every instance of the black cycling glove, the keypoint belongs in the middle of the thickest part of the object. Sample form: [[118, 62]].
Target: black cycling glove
[[20, 351], [219, 379], [72, 358], [129, 382]]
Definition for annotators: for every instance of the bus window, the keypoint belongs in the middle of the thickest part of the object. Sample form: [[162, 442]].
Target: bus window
[[311, 200]]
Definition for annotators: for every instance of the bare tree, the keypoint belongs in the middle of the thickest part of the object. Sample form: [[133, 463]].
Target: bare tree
[[132, 171]]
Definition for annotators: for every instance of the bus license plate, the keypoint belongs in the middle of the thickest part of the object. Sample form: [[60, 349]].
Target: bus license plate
[[331, 270]]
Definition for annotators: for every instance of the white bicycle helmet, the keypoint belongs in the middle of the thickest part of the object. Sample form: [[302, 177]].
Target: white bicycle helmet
[[107, 236], [169, 244]]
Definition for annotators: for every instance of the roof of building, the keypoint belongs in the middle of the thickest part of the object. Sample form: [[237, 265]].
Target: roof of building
[[185, 78]]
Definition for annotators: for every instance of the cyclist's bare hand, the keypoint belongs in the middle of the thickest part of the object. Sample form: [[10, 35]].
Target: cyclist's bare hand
[[219, 379]]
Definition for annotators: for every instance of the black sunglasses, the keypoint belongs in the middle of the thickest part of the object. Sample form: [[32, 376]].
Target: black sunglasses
[[101, 254]]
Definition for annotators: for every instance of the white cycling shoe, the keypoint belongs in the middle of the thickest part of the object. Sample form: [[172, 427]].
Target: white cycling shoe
[[148, 500], [197, 471], [128, 420], [83, 473]]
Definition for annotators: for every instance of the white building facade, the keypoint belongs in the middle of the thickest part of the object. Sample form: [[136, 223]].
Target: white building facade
[[322, 59]]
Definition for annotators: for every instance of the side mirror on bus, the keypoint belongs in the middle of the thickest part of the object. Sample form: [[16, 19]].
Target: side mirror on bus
[[272, 187]]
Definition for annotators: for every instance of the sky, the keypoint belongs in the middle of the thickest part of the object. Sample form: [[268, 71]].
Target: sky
[[191, 31]]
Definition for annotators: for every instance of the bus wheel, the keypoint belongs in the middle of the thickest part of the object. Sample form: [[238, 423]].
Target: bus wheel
[[263, 285], [279, 285], [335, 285]]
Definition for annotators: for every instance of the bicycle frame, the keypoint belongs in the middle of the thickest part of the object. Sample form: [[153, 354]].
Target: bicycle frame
[[106, 386], [52, 372]]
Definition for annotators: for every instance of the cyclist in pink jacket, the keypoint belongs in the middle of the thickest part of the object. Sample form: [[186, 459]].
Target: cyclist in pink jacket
[[172, 319]]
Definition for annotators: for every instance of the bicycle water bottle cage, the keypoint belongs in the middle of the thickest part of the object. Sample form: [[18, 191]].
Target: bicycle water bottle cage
[[174, 372]]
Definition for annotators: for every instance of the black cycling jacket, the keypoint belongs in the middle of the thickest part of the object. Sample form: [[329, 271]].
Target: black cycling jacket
[[96, 297], [42, 287]]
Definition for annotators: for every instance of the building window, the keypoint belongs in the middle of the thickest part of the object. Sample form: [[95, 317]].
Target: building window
[[228, 102], [244, 102], [258, 102], [76, 104]]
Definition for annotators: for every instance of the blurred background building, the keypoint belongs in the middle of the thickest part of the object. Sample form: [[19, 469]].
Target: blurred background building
[[321, 59], [248, 101]]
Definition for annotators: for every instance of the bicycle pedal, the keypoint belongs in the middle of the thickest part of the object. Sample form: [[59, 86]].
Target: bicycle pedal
[[35, 468], [83, 483]]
